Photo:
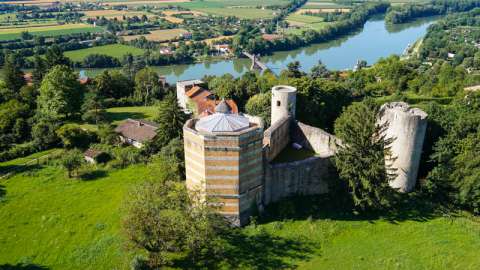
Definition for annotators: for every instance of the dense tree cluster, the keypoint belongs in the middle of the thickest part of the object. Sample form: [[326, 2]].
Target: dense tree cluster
[[409, 12]]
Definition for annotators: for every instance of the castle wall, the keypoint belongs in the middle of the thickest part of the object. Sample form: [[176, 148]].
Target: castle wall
[[283, 102], [304, 177], [276, 138], [315, 139], [225, 167], [407, 127]]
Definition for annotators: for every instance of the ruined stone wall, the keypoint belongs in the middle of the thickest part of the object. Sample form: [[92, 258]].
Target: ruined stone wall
[[276, 138], [315, 139], [406, 126], [304, 177]]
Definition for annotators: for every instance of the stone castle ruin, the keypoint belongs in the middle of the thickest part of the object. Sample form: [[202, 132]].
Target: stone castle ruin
[[231, 158]]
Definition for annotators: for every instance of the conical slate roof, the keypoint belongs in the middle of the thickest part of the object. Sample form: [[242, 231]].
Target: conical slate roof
[[222, 122]]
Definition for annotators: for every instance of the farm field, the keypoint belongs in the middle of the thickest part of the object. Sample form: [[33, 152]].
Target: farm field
[[114, 50], [303, 19], [246, 9], [48, 30], [111, 14], [59, 223], [159, 35]]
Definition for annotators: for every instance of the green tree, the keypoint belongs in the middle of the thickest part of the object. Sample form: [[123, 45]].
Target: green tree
[[72, 161], [113, 84], [361, 155], [147, 86], [259, 105], [319, 71], [43, 133], [61, 94], [93, 108], [455, 177], [39, 70], [170, 161], [224, 86], [54, 56], [73, 136], [107, 135], [293, 71], [12, 74], [170, 119], [163, 220]]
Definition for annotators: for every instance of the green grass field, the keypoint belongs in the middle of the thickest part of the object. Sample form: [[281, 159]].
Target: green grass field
[[245, 9], [61, 223], [58, 223], [47, 31], [307, 19], [118, 114], [114, 50]]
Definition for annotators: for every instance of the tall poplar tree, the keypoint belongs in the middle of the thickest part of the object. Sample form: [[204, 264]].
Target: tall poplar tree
[[12, 74]]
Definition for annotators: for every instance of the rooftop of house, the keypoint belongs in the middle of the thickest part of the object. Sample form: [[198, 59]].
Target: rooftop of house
[[92, 153], [206, 103], [137, 129], [271, 37]]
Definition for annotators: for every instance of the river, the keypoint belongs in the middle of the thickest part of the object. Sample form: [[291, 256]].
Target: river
[[374, 41]]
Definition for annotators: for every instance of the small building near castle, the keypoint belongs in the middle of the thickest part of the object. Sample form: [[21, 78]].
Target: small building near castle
[[231, 160]]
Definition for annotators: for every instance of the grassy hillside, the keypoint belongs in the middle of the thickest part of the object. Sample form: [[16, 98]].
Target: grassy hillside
[[58, 223], [49, 220]]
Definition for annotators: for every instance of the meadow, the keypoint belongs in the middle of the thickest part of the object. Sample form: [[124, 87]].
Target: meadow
[[113, 50], [54, 222], [47, 30]]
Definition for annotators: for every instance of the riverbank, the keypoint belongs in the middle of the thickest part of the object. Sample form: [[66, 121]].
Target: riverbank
[[374, 41]]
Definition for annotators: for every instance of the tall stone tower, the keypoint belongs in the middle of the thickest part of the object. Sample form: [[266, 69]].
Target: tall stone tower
[[223, 160], [407, 126], [283, 102]]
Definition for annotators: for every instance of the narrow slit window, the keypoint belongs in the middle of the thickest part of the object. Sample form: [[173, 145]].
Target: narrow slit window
[[278, 103]]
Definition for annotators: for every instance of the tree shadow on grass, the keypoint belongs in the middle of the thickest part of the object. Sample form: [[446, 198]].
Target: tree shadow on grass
[[93, 175], [3, 192], [265, 251], [331, 206], [4, 170], [22, 266], [259, 250]]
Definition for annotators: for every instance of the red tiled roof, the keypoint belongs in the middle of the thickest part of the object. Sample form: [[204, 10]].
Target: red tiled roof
[[271, 37], [138, 130]]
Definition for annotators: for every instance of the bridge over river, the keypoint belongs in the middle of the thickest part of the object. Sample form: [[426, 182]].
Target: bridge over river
[[256, 63]]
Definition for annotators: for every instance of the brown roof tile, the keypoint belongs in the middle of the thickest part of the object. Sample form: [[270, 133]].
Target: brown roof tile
[[138, 130]]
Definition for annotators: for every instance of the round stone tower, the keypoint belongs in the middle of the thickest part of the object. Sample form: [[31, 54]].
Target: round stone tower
[[283, 102], [407, 127]]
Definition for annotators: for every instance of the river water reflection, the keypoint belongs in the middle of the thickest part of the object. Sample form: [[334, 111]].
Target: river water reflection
[[374, 41]]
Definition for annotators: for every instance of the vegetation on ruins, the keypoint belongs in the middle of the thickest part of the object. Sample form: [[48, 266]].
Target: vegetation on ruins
[[361, 156]]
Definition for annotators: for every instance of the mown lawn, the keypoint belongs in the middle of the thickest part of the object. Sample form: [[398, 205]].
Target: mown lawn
[[118, 114], [50, 221], [113, 50]]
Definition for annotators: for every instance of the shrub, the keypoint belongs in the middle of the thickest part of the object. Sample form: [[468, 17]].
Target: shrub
[[73, 136]]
